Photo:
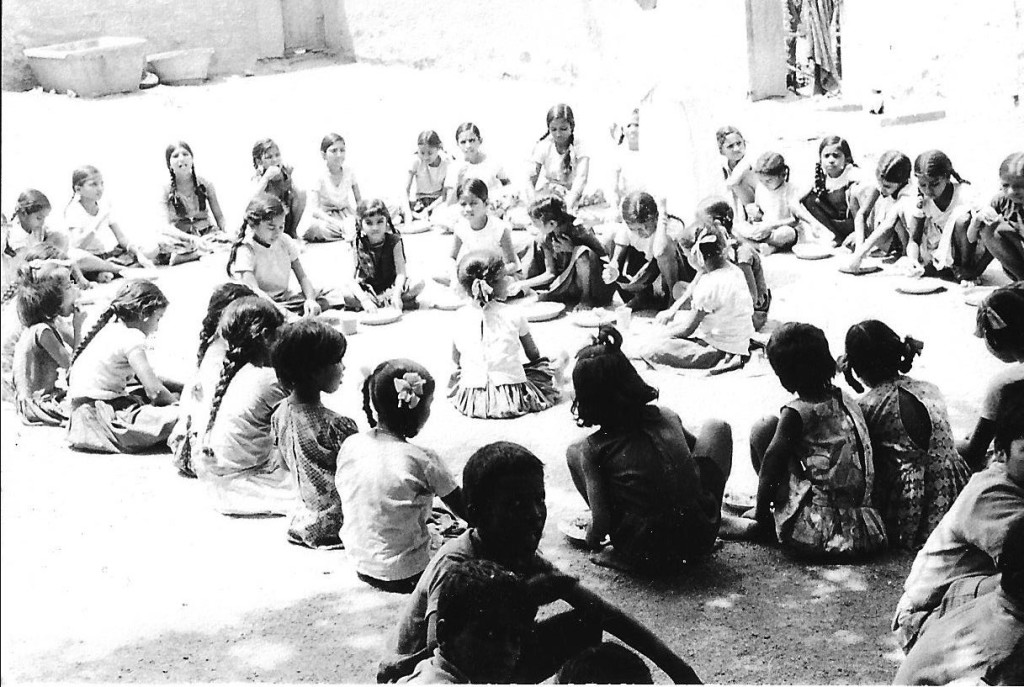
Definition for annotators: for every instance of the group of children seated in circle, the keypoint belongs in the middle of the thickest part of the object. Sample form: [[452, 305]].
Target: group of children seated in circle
[[838, 478]]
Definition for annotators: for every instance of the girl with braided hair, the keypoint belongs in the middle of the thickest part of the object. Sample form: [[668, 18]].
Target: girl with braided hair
[[30, 215], [209, 359], [237, 458], [190, 203], [490, 338], [106, 416], [918, 472], [559, 163], [387, 484]]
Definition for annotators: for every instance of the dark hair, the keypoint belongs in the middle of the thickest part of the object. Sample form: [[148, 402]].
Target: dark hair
[[819, 172], [135, 300], [1000, 318], [364, 257], [40, 300], [639, 207], [303, 349], [489, 466], [551, 207], [724, 133], [609, 390], [329, 140], [30, 201], [262, 207], [486, 266], [222, 296], [483, 591], [563, 111], [772, 164], [29, 270], [893, 167], [935, 163], [429, 138], [1012, 167], [1009, 418], [877, 354], [78, 177], [173, 198], [380, 394], [474, 187], [245, 326], [607, 663], [467, 126], [799, 355], [1011, 560], [717, 209], [259, 149], [711, 241]]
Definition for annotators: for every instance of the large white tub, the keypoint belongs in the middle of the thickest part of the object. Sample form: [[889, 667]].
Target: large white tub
[[91, 67]]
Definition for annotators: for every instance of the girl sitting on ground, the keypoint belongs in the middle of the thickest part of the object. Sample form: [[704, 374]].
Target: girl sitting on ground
[[477, 229], [652, 486], [30, 215], [278, 179], [490, 381], [209, 360], [894, 203], [715, 333], [777, 213], [918, 470], [567, 259], [42, 355], [190, 201], [387, 485], [105, 415], [237, 459], [736, 169], [1002, 224], [941, 241], [814, 461], [1000, 322], [105, 249], [380, 279], [429, 171], [832, 201], [560, 165], [264, 258], [307, 357], [477, 164], [335, 196], [646, 265]]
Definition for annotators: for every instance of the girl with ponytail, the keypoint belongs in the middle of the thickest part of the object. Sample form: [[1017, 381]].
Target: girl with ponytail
[[236, 457], [209, 359], [489, 341], [833, 201], [387, 485], [560, 164], [940, 240], [918, 472], [106, 416], [652, 486]]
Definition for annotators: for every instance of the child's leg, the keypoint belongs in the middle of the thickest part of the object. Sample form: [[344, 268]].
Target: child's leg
[[1007, 246], [551, 643], [782, 238], [91, 264], [970, 259], [760, 437], [587, 276], [714, 442], [575, 463]]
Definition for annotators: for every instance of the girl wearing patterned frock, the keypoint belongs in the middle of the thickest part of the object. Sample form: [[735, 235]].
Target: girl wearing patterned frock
[[308, 359], [814, 462], [919, 472]]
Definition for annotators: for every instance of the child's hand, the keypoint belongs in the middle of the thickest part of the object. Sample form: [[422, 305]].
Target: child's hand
[[753, 211], [311, 308], [547, 587], [610, 273], [273, 172], [665, 316], [369, 306], [988, 215], [759, 231], [396, 301], [143, 260], [164, 397], [514, 288]]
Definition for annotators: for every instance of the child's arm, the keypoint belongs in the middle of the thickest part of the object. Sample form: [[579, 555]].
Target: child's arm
[[400, 278], [508, 251], [56, 348], [774, 472], [530, 347], [613, 267], [408, 191], [269, 174], [974, 450], [579, 183], [597, 496], [214, 204], [248, 277], [665, 316], [310, 308], [455, 501], [631, 632], [861, 205], [158, 394], [123, 241], [356, 194], [687, 325], [543, 279]]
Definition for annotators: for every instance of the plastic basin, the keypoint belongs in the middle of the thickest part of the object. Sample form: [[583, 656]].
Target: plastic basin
[[91, 67], [181, 66]]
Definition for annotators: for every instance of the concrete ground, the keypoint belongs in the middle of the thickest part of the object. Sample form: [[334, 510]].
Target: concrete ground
[[115, 569]]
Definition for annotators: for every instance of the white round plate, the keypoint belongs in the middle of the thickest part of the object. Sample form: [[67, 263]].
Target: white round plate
[[573, 531], [382, 316], [452, 303], [541, 312], [739, 502], [592, 318], [812, 251], [920, 287]]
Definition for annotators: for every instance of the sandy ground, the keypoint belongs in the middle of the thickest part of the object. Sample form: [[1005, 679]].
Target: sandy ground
[[116, 569]]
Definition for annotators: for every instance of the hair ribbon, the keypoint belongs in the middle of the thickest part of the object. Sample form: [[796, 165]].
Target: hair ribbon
[[481, 290], [410, 389]]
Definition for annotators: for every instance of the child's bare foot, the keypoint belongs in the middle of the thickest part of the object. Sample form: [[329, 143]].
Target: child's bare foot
[[608, 559], [766, 249], [736, 528], [104, 277], [730, 362]]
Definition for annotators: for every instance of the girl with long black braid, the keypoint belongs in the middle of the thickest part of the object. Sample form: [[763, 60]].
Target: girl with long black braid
[[236, 457], [106, 416], [190, 203]]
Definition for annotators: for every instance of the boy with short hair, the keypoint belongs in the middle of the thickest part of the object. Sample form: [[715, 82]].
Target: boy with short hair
[[503, 485]]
